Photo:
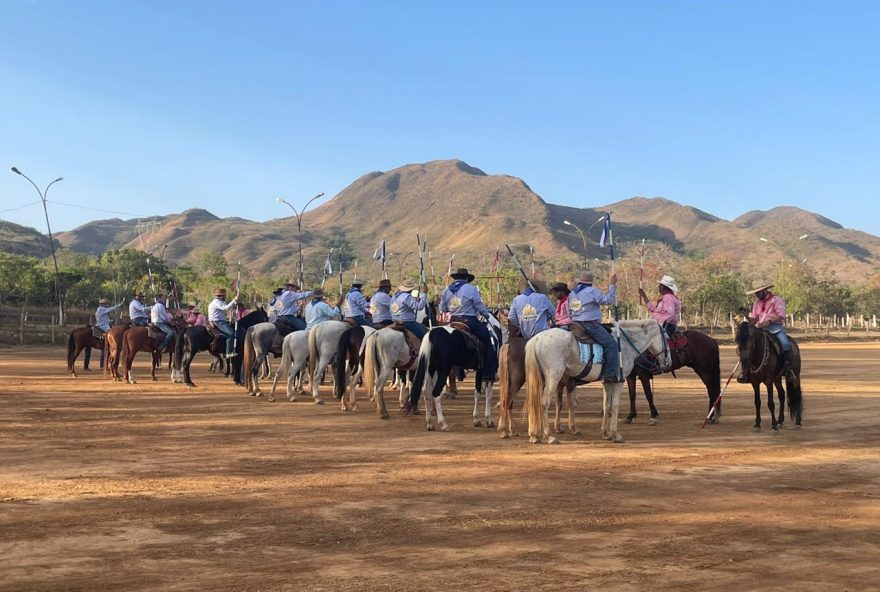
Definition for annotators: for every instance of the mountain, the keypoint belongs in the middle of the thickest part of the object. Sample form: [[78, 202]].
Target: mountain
[[465, 211], [23, 240]]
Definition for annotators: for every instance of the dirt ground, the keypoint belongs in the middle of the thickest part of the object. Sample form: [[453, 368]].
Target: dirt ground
[[159, 487]]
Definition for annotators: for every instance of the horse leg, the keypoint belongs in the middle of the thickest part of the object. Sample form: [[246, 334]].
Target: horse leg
[[757, 387], [477, 422], [129, 360], [428, 389], [570, 396], [771, 406], [631, 387], [645, 379], [317, 379], [487, 394], [781, 393], [557, 427], [436, 394], [157, 363], [610, 411], [187, 362], [378, 393]]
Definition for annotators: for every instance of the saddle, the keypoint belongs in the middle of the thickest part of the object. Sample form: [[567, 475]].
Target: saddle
[[774, 342], [678, 340], [412, 340], [350, 322], [97, 332], [283, 328], [580, 334], [459, 326], [154, 333]]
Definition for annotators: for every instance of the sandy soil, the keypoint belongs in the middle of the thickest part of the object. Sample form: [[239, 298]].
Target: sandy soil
[[159, 487]]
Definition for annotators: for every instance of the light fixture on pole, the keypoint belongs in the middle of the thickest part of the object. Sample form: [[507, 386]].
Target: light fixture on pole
[[299, 216], [583, 238], [42, 195]]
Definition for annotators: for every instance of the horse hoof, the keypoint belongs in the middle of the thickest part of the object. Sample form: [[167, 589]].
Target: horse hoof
[[444, 428], [319, 402], [270, 399], [797, 426], [774, 431], [653, 421], [628, 420], [477, 423], [505, 436], [291, 399], [534, 440], [490, 424], [383, 416], [155, 379], [575, 432], [431, 428], [756, 429], [617, 439], [553, 440]]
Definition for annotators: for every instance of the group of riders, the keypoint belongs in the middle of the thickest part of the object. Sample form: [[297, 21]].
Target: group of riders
[[530, 312]]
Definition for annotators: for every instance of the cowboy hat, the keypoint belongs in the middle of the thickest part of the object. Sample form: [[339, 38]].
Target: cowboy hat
[[293, 283], [669, 282], [539, 286], [220, 292], [462, 274], [407, 286], [384, 284], [139, 294], [318, 293], [103, 301], [758, 286], [586, 277], [560, 287], [357, 284]]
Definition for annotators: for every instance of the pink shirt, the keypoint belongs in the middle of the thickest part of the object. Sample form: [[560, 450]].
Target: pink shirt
[[667, 309], [199, 320], [562, 317], [769, 310]]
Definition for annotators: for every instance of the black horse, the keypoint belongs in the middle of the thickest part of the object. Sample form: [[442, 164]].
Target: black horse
[[700, 352], [763, 364], [201, 343]]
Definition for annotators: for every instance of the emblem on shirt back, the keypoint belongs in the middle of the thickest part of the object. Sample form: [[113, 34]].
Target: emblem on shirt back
[[574, 305], [395, 307], [454, 303], [529, 313], [279, 306]]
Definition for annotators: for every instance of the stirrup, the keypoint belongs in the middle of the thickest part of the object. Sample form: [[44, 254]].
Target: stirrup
[[232, 355]]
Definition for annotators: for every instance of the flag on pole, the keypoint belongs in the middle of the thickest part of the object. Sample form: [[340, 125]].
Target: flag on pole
[[496, 260], [328, 265], [355, 269], [606, 232], [449, 269], [379, 253]]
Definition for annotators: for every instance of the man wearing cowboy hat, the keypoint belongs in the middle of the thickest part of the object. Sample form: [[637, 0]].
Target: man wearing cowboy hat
[[463, 302], [137, 310], [380, 305], [217, 316], [274, 305], [289, 300], [768, 313], [404, 307], [102, 323], [667, 309], [584, 303], [319, 311], [531, 312], [162, 320], [356, 306], [560, 291], [194, 318]]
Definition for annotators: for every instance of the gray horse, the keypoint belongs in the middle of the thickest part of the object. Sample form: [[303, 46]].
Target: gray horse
[[259, 341]]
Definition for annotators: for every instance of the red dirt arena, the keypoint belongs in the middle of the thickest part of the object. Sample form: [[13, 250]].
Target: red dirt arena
[[156, 486]]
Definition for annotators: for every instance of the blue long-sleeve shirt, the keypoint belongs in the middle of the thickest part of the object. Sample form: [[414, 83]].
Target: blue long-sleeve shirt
[[380, 306], [584, 302], [404, 306], [531, 313], [289, 300], [463, 300], [319, 312], [356, 304]]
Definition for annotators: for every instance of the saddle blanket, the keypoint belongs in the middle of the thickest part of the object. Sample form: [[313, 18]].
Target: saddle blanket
[[598, 353]]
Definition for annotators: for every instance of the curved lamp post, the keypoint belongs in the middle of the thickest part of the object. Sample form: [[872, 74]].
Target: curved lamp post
[[42, 195], [400, 263], [299, 216], [583, 238]]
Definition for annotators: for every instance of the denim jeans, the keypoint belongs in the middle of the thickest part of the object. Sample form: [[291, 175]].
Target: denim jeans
[[225, 328], [612, 356]]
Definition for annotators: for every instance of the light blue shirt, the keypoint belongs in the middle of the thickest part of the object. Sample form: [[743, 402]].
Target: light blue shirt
[[159, 314], [356, 304], [584, 302], [102, 316], [466, 302], [404, 306], [380, 306], [217, 310], [289, 300], [320, 312], [137, 310], [531, 313]]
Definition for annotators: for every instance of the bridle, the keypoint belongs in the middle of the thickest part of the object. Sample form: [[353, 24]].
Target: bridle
[[666, 356], [766, 355]]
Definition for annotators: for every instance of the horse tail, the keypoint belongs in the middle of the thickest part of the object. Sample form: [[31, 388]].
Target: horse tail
[[286, 346], [715, 372], [504, 386], [534, 406], [371, 362], [71, 348], [313, 353], [412, 404], [247, 361], [340, 369], [106, 354], [795, 396]]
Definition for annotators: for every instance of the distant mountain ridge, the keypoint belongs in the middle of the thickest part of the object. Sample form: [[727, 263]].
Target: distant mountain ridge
[[465, 211]]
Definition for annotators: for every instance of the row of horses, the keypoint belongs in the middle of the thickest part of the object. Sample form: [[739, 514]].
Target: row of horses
[[548, 366]]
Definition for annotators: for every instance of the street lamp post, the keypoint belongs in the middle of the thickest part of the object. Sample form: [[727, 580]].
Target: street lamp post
[[43, 195], [299, 216], [583, 238], [400, 263]]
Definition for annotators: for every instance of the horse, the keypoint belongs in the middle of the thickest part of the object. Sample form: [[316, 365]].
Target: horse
[[259, 341], [512, 377], [78, 340], [138, 339], [323, 346], [385, 352], [294, 358], [554, 354], [700, 353], [113, 349], [258, 315], [763, 364], [196, 339], [442, 349], [349, 363]]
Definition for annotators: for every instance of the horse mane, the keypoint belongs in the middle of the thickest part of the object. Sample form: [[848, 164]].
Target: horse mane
[[742, 335]]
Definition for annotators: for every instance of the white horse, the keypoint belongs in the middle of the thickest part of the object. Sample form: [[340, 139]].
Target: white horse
[[323, 346], [386, 351], [554, 354], [294, 359]]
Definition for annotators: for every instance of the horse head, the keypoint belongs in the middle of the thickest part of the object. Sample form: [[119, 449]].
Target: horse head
[[658, 344], [745, 342]]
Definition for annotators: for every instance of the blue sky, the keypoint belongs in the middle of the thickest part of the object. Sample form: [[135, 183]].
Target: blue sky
[[155, 107]]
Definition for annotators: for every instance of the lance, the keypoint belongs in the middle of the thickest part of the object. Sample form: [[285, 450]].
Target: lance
[[431, 263], [150, 273], [324, 271], [340, 272], [721, 394], [355, 270], [641, 274], [616, 307], [519, 267], [235, 309], [422, 247]]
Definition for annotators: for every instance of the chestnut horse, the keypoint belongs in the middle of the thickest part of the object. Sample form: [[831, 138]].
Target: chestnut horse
[[138, 339], [78, 340], [112, 349]]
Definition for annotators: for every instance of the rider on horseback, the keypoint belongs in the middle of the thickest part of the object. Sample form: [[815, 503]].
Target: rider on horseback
[[768, 313], [320, 311], [102, 325], [584, 305], [667, 309], [162, 320], [404, 307], [356, 306], [138, 311], [380, 305], [217, 316], [289, 300], [463, 302], [561, 292], [531, 312]]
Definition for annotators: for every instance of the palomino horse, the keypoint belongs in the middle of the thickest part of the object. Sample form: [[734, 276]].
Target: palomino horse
[[78, 340], [554, 354], [700, 353], [294, 360], [763, 365], [349, 364], [137, 339], [442, 349], [386, 351], [113, 349], [512, 377]]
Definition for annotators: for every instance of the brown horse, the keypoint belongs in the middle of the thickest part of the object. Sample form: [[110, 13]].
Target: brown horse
[[138, 339], [700, 352], [512, 377], [78, 340], [762, 363], [113, 348]]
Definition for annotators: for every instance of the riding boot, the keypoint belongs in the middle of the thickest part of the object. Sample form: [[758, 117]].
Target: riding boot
[[786, 365]]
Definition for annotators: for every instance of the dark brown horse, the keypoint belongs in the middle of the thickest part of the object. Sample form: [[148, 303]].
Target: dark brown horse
[[138, 339], [113, 348], [78, 340], [700, 353], [762, 363]]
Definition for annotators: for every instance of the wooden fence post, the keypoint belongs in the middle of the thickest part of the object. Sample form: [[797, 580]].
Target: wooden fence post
[[52, 329], [21, 328]]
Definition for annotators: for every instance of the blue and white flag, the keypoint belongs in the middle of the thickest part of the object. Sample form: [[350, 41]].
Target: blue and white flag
[[379, 254], [606, 232], [328, 266]]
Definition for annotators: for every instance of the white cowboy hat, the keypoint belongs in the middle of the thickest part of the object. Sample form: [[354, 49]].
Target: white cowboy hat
[[407, 286], [758, 286], [669, 282]]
